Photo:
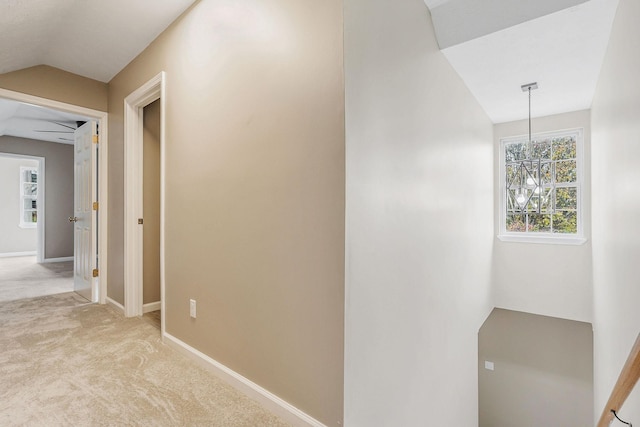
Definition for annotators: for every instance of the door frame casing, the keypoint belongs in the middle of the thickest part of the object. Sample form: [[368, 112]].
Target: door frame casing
[[134, 105], [102, 117]]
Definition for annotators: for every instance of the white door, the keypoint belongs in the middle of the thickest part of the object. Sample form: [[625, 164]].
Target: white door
[[84, 216]]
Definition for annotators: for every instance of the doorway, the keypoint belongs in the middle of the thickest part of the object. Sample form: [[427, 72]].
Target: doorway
[[98, 255], [151, 306], [135, 217], [23, 270]]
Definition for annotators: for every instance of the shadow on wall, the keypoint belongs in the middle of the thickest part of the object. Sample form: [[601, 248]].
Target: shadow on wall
[[534, 371]]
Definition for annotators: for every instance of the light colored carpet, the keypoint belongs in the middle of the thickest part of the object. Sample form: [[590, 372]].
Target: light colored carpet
[[64, 362], [23, 277], [153, 317]]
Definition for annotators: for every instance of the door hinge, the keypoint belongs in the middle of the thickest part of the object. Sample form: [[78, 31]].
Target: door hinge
[[95, 206], [95, 272], [95, 139]]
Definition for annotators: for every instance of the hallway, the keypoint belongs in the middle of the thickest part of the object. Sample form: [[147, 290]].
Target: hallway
[[68, 362], [23, 277]]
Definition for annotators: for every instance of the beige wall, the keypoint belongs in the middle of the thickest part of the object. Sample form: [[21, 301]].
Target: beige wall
[[151, 203], [543, 371], [419, 223], [13, 237], [615, 123], [58, 85], [562, 286], [254, 190], [59, 190]]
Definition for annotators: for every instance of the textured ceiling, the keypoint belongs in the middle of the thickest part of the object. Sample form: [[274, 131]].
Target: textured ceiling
[[562, 51], [92, 38]]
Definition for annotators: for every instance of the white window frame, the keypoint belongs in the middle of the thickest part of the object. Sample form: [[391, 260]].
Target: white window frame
[[538, 237], [23, 196]]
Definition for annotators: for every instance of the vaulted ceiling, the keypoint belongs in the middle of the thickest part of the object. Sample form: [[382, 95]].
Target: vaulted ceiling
[[498, 45], [92, 38], [494, 45]]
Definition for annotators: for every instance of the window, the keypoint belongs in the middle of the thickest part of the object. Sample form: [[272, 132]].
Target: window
[[541, 188], [28, 197]]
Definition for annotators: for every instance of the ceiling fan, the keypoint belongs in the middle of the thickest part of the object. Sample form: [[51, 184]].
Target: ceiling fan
[[68, 129]]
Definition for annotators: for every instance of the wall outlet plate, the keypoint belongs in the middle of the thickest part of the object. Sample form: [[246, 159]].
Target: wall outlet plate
[[192, 308], [488, 365]]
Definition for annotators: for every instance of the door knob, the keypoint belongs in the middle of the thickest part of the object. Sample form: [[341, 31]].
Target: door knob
[[73, 219]]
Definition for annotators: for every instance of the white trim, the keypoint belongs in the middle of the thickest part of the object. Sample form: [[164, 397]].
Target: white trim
[[103, 212], [134, 105], [102, 117], [115, 304], [163, 170], [38, 183], [151, 306], [61, 259], [17, 254], [57, 105], [42, 208], [270, 401], [545, 238]]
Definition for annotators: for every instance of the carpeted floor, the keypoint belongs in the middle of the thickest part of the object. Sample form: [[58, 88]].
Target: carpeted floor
[[64, 362], [154, 318], [23, 277]]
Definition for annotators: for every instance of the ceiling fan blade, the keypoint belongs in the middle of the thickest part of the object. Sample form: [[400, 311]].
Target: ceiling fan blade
[[53, 131], [62, 124]]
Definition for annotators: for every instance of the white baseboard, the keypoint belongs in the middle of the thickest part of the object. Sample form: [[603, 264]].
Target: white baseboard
[[63, 259], [17, 254], [270, 401], [152, 306], [115, 304]]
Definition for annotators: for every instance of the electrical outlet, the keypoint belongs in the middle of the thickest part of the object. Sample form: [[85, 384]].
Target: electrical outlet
[[192, 308], [488, 365]]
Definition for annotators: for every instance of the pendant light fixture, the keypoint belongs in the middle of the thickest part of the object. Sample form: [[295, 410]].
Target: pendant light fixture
[[528, 186]]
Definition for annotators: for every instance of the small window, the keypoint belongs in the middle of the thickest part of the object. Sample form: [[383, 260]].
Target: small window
[[541, 188], [28, 197]]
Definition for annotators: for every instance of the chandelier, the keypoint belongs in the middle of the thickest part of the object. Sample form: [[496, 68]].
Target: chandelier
[[530, 179]]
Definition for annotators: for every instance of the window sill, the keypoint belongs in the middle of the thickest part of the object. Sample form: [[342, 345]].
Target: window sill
[[545, 239]]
